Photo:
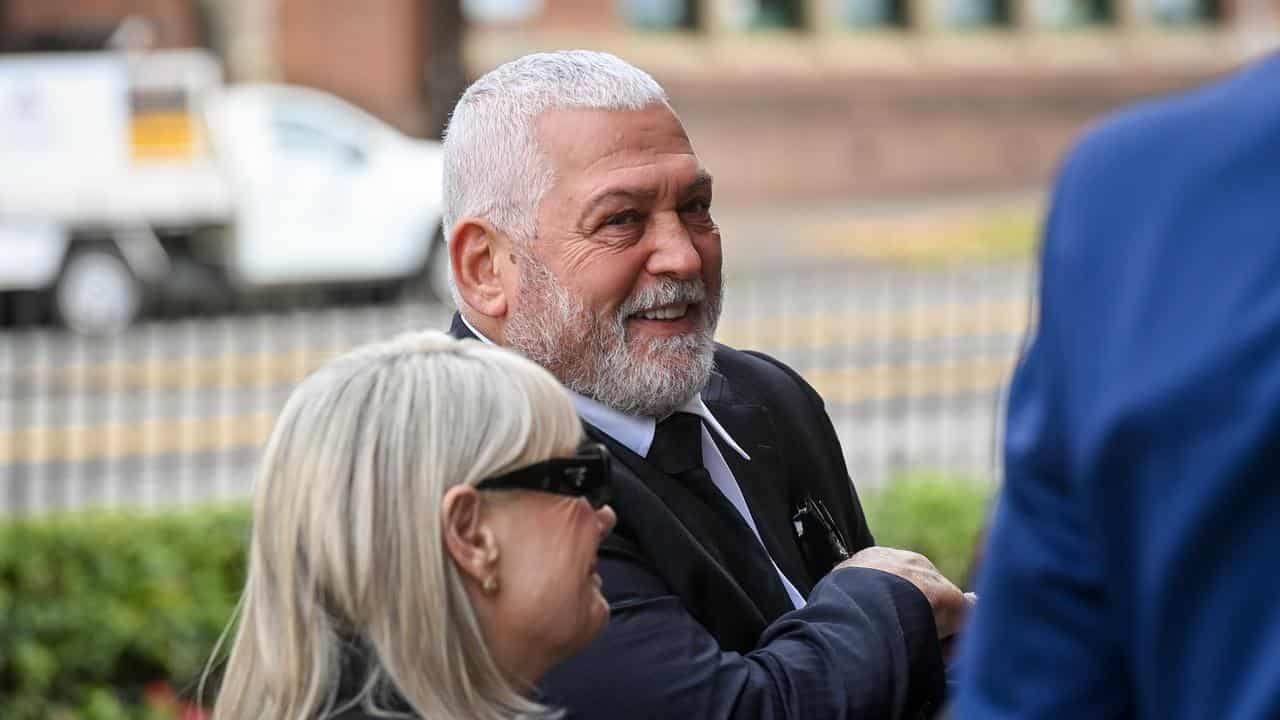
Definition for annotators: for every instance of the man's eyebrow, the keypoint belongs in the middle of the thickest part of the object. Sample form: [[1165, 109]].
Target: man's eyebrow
[[701, 182], [624, 193]]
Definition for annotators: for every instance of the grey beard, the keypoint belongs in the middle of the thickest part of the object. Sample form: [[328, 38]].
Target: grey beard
[[591, 356]]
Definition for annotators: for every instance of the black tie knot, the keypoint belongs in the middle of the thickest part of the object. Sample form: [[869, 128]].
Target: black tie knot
[[677, 444]]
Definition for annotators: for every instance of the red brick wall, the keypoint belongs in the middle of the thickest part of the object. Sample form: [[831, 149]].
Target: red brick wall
[[867, 135], [575, 17], [579, 15], [368, 52]]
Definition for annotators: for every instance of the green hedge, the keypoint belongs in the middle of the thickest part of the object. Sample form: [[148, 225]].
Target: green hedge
[[935, 514], [106, 616]]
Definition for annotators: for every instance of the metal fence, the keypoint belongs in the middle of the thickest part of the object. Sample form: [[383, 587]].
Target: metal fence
[[911, 362]]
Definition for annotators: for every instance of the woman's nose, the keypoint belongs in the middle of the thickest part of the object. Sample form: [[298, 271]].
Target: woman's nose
[[607, 519]]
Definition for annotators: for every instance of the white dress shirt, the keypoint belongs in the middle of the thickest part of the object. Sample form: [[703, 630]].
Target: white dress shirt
[[636, 433]]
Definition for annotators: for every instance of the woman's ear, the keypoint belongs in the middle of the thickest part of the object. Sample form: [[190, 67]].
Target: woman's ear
[[479, 255], [468, 538]]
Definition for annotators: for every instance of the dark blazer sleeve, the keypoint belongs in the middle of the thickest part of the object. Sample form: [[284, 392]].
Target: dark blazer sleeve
[[863, 647]]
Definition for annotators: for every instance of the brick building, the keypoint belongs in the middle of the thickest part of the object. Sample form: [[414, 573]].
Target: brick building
[[391, 56], [783, 97], [83, 24], [863, 97]]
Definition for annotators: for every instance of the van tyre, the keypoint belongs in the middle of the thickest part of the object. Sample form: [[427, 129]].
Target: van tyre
[[97, 293]]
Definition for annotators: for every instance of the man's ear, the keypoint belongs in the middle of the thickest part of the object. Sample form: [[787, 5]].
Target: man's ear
[[467, 538], [479, 255]]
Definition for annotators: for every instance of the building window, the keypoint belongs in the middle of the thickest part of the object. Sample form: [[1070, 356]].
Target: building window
[[1066, 14], [975, 14], [763, 14], [1183, 12], [779, 14], [872, 13], [501, 11], [660, 14]]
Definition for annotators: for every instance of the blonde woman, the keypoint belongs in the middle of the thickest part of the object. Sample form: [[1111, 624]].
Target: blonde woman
[[425, 525]]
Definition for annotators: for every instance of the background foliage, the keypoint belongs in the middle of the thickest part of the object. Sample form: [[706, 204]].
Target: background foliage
[[109, 616], [106, 616], [938, 515]]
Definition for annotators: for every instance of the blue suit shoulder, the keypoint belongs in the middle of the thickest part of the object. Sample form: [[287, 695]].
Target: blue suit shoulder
[[1146, 195], [1141, 430], [1168, 134]]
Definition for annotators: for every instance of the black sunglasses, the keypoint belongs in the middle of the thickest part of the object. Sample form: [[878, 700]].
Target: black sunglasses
[[585, 475]]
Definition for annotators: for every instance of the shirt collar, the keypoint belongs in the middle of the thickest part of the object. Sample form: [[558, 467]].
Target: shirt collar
[[479, 335], [633, 431], [637, 431]]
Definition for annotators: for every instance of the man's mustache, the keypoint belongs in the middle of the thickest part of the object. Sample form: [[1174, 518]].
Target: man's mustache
[[667, 292]]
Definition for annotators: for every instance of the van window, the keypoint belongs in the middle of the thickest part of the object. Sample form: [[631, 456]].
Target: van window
[[293, 136]]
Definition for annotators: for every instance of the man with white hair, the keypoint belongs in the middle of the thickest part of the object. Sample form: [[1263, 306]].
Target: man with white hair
[[580, 234]]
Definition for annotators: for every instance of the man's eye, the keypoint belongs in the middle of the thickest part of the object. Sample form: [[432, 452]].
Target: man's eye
[[701, 205], [623, 218]]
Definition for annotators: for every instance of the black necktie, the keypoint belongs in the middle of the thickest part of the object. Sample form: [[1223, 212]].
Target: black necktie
[[677, 451]]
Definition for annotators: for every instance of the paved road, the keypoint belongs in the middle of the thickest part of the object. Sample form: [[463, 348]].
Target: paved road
[[910, 361]]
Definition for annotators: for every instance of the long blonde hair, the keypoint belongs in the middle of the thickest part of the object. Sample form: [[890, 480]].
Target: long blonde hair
[[347, 538]]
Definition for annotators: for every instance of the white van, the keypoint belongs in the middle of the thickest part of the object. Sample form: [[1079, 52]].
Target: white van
[[117, 168]]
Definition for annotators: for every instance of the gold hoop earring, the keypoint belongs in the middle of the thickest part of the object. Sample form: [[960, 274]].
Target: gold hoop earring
[[490, 585]]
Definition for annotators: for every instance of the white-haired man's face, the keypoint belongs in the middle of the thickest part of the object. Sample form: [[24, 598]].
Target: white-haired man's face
[[619, 293]]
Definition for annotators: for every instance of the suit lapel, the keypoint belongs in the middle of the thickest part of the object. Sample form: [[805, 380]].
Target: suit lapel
[[459, 329], [676, 530], [763, 479], [673, 527]]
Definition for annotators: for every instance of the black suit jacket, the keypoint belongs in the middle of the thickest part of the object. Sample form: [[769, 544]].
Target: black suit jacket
[[685, 641]]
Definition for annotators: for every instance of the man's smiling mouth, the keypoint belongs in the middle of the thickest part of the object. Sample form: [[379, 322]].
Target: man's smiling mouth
[[667, 312]]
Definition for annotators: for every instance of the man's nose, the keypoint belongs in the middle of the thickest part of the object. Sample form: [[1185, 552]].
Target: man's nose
[[674, 253]]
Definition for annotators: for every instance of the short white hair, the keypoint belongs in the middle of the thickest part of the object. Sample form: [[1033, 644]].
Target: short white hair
[[493, 167]]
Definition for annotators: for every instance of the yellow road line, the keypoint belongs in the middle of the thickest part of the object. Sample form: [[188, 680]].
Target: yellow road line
[[1008, 232], [147, 437], [850, 385], [1007, 317], [245, 370], [189, 435]]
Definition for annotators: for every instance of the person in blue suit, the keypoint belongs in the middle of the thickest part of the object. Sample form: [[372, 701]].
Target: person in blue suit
[[1133, 567]]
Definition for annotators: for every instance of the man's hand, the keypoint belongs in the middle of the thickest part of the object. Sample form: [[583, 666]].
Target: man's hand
[[948, 603]]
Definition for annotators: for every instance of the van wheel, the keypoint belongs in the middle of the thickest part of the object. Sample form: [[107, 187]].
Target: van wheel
[[97, 293]]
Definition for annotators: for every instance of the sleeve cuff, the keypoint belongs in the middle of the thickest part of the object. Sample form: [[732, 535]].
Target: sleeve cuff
[[927, 680]]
